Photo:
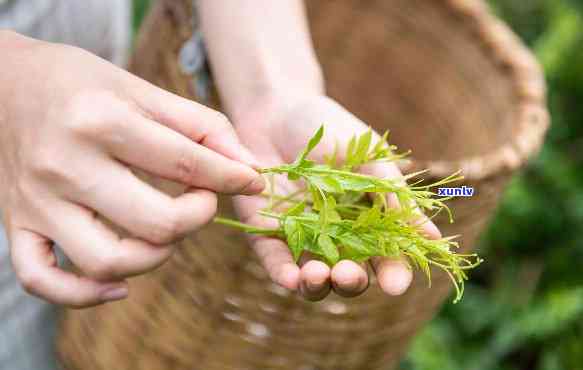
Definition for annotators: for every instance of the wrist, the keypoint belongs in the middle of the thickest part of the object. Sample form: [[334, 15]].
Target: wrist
[[268, 77], [274, 92]]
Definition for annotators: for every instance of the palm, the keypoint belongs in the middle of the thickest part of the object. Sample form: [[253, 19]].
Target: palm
[[276, 136]]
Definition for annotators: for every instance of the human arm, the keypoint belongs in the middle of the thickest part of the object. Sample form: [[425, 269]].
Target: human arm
[[272, 88]]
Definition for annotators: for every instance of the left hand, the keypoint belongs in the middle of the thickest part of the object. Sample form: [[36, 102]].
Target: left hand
[[275, 131]]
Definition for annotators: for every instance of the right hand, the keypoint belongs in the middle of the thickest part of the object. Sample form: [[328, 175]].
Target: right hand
[[70, 125]]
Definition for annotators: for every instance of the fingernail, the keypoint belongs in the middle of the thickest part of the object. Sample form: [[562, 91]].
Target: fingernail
[[349, 286], [255, 187], [115, 294], [314, 286]]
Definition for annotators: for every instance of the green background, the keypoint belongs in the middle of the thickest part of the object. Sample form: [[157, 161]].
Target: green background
[[523, 308]]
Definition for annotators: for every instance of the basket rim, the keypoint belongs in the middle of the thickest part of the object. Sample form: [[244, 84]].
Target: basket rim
[[507, 52]]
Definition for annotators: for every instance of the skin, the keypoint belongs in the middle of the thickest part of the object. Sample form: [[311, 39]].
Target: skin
[[272, 88], [71, 125]]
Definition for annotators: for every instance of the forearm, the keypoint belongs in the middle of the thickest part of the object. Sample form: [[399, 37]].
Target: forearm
[[259, 49]]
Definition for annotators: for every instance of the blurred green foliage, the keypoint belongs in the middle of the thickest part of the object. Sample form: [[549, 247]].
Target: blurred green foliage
[[524, 307], [140, 9]]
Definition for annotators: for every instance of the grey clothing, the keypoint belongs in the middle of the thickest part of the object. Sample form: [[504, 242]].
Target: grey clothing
[[100, 26], [27, 324]]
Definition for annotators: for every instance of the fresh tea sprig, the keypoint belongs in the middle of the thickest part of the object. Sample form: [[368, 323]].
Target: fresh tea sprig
[[342, 214]]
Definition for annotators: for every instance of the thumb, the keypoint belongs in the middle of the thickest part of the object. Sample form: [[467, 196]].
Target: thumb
[[198, 122]]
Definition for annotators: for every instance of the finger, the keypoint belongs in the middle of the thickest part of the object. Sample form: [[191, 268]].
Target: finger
[[247, 207], [36, 267], [144, 211], [98, 251], [391, 171], [314, 280], [427, 227], [196, 121], [349, 278], [393, 275], [273, 254], [180, 159], [384, 171], [275, 257]]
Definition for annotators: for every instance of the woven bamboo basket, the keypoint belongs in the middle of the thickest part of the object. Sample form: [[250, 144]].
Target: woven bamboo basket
[[453, 84]]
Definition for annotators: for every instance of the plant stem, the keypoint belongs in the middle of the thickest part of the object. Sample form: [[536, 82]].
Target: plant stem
[[245, 227]]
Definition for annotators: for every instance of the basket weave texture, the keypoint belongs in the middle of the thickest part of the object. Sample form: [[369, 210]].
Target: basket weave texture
[[453, 84]]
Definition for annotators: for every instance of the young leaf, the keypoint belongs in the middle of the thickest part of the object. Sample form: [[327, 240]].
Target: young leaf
[[368, 218], [332, 160], [315, 140], [345, 214], [327, 183], [328, 248], [353, 183], [362, 147], [353, 247], [331, 213], [297, 209], [350, 150], [382, 143], [295, 236], [317, 201], [293, 176]]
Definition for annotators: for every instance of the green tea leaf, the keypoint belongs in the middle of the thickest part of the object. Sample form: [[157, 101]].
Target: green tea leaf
[[296, 209], [295, 237], [350, 150], [339, 213], [314, 140], [358, 184], [368, 218], [328, 248], [332, 160], [331, 213], [353, 247], [361, 150], [382, 143], [293, 176], [391, 249], [326, 183], [317, 200]]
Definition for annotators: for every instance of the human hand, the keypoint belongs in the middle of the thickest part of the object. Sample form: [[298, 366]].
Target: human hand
[[276, 131], [71, 124]]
